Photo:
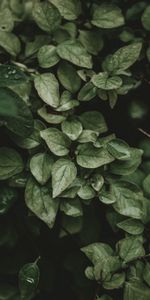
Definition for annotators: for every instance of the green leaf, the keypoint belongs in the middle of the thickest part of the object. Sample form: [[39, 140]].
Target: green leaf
[[56, 141], [69, 9], [75, 53], [72, 208], [47, 87], [8, 196], [129, 200], [116, 281], [131, 226], [103, 81], [122, 59], [10, 43], [119, 149], [10, 163], [28, 280], [64, 173], [15, 113], [146, 273], [128, 166], [66, 103], [91, 40], [46, 16], [97, 252], [86, 192], [97, 182], [87, 92], [41, 166], [93, 120], [90, 157], [146, 18], [72, 128], [6, 20], [68, 77], [70, 225], [130, 248], [88, 136], [136, 290], [11, 75], [107, 16], [47, 56], [38, 199], [146, 185], [50, 117]]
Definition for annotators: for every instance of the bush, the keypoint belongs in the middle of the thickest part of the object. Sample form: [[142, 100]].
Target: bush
[[75, 150]]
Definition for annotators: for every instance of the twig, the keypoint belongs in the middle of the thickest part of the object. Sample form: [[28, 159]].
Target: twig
[[144, 132]]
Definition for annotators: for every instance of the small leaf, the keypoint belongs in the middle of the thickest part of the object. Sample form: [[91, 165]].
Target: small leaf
[[50, 117], [103, 81], [72, 208], [28, 280], [47, 56], [72, 128], [38, 199], [87, 92], [8, 196], [68, 77], [91, 40], [93, 120], [146, 18], [41, 166], [11, 75], [64, 173], [119, 149], [10, 43], [107, 16], [116, 282], [56, 141], [10, 163], [47, 87], [131, 226]]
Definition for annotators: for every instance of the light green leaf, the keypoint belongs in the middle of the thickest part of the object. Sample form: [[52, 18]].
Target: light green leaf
[[6, 20], [122, 59], [69, 9], [72, 208], [41, 166], [146, 18], [131, 226], [87, 92], [119, 149], [38, 199], [96, 252], [47, 56], [75, 53], [107, 16], [86, 192], [56, 141], [97, 182], [116, 282], [88, 136], [10, 163], [50, 117], [64, 173], [10, 43], [47, 87], [90, 157], [103, 81], [68, 77], [46, 16], [72, 128], [130, 248], [93, 120]]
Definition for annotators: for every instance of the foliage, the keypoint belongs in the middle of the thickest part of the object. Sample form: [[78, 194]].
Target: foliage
[[74, 169]]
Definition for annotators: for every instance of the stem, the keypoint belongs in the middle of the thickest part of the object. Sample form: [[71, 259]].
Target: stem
[[144, 132]]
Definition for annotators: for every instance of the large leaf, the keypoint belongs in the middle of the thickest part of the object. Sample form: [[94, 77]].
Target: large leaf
[[136, 290], [103, 81], [41, 166], [47, 56], [90, 157], [75, 53], [10, 163], [107, 16], [93, 120], [10, 42], [56, 141], [46, 16], [68, 77], [63, 174], [15, 113], [130, 248], [69, 9], [47, 87], [38, 199]]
